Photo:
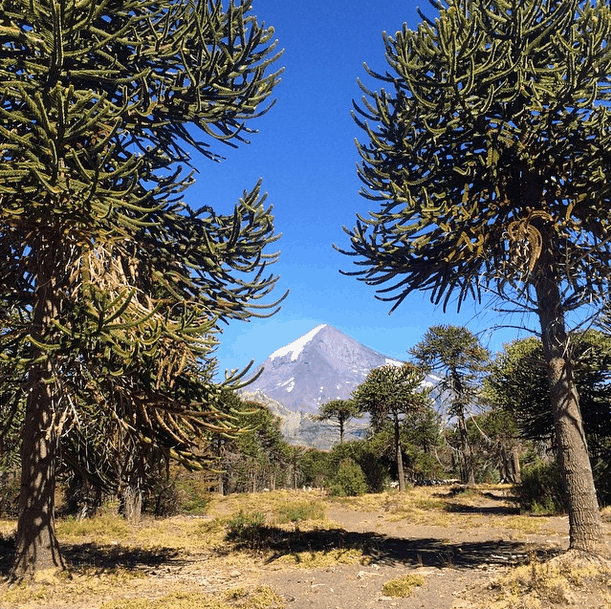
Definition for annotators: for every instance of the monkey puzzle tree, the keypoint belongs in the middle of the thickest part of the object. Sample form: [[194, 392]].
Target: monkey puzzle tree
[[338, 410], [457, 354], [118, 287], [516, 384], [390, 393], [489, 154]]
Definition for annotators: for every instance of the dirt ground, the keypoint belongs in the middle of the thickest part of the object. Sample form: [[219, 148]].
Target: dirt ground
[[457, 560], [459, 546]]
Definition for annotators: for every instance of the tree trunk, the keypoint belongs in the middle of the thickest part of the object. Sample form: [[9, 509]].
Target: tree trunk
[[37, 550], [400, 472], [585, 525], [131, 498], [466, 454], [516, 472]]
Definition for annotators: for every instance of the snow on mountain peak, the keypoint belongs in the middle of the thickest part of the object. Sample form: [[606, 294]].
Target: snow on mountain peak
[[297, 346]]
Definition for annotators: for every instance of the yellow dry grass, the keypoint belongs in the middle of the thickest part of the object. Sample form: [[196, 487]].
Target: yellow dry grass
[[540, 585], [185, 562]]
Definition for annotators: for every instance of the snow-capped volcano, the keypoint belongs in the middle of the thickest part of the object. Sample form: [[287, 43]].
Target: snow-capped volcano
[[322, 365], [297, 346]]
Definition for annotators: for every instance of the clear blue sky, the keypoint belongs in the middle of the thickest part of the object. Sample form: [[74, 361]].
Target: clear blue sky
[[305, 153]]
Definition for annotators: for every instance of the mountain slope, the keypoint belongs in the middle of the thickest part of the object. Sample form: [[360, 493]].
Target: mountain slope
[[322, 365]]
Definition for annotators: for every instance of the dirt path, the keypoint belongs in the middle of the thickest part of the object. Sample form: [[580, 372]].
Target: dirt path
[[457, 543], [456, 559]]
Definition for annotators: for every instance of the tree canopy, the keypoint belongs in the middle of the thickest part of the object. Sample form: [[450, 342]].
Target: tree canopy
[[340, 411], [114, 285], [390, 393], [489, 152], [516, 383], [456, 354], [487, 149]]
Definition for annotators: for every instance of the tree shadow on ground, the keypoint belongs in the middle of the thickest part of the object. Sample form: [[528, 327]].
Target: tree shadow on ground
[[105, 557], [99, 557], [381, 549], [7, 550], [463, 508], [496, 510]]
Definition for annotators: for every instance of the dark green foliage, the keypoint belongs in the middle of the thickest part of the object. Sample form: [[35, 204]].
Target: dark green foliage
[[116, 288], [420, 435], [194, 492], [9, 494], [372, 464], [390, 394], [339, 411], [371, 460], [301, 510], [349, 481], [517, 384], [541, 489], [488, 151], [315, 468], [247, 528], [257, 457]]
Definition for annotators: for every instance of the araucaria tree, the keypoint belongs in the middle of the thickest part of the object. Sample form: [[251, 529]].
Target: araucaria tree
[[390, 393], [340, 411], [456, 354], [489, 152], [516, 384], [114, 286]]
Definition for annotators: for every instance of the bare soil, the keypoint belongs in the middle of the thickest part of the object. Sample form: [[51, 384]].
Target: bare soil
[[457, 559], [458, 545]]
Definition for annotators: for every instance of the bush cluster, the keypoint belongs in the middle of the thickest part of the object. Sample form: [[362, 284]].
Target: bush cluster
[[541, 489], [349, 481]]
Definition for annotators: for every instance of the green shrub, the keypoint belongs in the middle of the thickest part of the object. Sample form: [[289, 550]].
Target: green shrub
[[366, 455], [541, 490], [301, 510], [349, 481], [9, 495], [246, 528], [193, 494]]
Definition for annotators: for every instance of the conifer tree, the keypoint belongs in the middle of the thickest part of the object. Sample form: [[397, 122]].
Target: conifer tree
[[340, 411], [391, 393], [455, 353], [488, 150], [118, 285]]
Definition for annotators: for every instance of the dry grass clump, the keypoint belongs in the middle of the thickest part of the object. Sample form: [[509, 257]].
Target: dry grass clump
[[176, 532], [540, 585], [324, 558], [67, 588], [268, 503], [238, 598], [7, 527], [528, 525], [403, 586]]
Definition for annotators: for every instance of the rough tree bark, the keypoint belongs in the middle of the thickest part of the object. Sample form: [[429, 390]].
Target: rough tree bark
[[37, 550], [399, 454], [466, 454], [131, 498], [586, 532]]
